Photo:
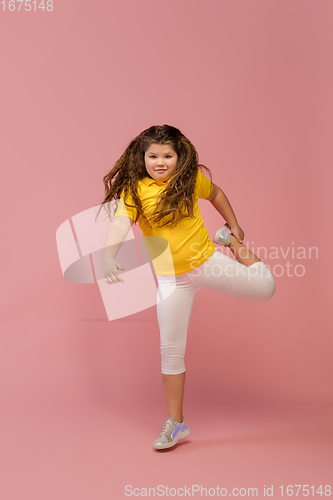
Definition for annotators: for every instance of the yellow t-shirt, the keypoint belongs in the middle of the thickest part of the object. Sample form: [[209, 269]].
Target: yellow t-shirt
[[176, 250]]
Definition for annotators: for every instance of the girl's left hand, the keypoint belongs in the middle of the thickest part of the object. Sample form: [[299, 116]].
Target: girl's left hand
[[238, 232]]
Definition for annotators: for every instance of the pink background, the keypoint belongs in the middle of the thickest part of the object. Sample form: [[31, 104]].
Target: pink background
[[249, 82]]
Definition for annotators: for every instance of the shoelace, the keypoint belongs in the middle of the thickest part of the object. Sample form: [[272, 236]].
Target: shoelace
[[168, 427]]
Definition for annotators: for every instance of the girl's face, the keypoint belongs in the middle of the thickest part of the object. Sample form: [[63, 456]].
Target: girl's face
[[160, 161]]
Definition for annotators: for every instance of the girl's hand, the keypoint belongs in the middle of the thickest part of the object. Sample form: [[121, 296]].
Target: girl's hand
[[238, 233], [111, 271]]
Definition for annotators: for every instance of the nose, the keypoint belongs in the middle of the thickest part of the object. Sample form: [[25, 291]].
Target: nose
[[160, 163]]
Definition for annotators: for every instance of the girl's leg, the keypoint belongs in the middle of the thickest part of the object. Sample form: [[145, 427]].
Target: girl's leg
[[242, 253], [252, 282], [174, 391], [173, 314]]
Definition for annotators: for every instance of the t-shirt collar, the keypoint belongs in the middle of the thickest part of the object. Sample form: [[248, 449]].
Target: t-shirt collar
[[148, 181]]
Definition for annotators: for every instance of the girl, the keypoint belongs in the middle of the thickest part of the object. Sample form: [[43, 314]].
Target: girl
[[158, 182]]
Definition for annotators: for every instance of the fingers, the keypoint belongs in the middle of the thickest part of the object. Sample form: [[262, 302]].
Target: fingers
[[239, 236], [113, 278]]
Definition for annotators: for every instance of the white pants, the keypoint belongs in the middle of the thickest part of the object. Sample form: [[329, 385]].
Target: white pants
[[176, 296]]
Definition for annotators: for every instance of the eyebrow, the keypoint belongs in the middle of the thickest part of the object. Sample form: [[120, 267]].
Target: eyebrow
[[152, 153]]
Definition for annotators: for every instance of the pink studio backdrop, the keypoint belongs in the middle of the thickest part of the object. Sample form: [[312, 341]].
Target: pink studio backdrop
[[249, 82]]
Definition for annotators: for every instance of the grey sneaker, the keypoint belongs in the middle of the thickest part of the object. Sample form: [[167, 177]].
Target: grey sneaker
[[172, 432], [222, 236]]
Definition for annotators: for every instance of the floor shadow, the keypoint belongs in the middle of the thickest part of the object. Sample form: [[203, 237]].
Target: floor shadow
[[121, 320]]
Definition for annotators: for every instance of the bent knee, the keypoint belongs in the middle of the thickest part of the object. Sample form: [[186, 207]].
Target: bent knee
[[268, 289], [264, 283]]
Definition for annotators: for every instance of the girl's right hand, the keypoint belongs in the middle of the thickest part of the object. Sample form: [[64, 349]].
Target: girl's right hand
[[111, 271]]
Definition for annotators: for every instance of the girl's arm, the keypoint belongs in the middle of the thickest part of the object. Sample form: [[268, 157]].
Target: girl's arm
[[221, 203], [116, 235]]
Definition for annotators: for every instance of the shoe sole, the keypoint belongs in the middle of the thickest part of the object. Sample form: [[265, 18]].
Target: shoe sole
[[172, 443]]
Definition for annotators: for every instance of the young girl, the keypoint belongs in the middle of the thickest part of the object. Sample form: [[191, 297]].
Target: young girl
[[158, 182]]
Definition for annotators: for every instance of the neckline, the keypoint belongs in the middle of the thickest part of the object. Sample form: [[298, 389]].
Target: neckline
[[151, 181]]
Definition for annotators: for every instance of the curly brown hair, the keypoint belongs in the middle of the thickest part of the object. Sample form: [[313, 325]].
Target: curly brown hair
[[176, 200]]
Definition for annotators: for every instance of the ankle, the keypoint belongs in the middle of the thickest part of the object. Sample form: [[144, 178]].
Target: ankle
[[176, 418], [234, 241]]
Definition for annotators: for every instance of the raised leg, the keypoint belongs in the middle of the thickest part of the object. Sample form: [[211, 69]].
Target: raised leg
[[253, 282], [242, 253]]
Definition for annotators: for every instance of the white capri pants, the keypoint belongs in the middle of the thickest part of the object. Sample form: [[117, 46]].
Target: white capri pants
[[176, 296]]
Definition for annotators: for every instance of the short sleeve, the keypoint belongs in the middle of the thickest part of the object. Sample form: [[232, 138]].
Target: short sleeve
[[122, 209], [204, 187]]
